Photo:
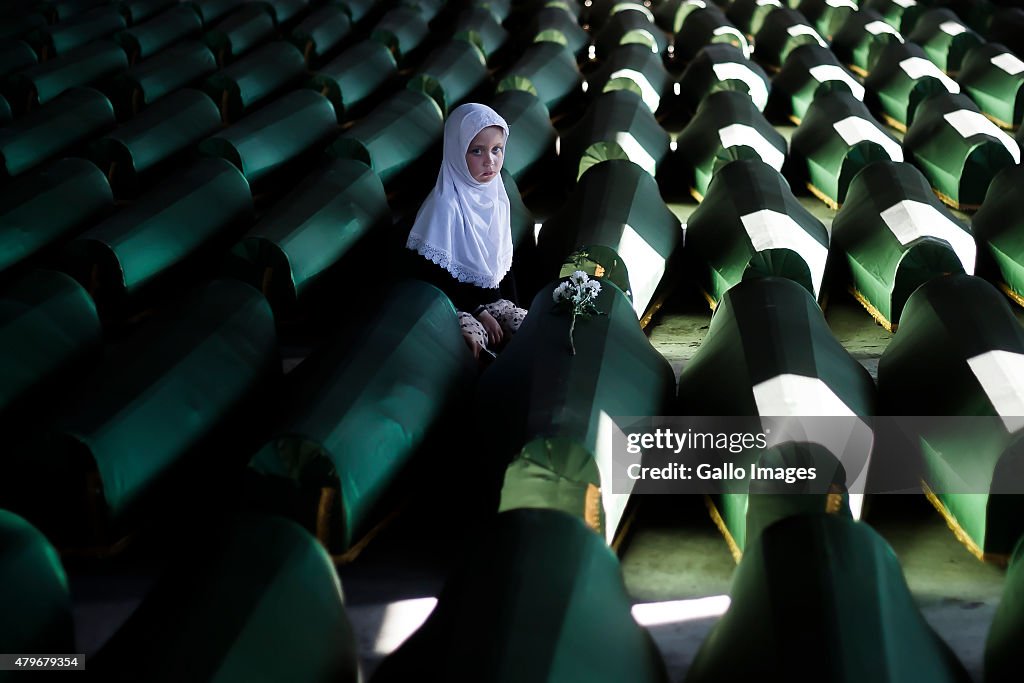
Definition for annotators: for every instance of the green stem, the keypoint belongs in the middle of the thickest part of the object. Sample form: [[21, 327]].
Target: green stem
[[572, 326]]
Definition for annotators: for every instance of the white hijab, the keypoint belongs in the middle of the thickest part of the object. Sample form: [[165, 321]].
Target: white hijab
[[464, 225]]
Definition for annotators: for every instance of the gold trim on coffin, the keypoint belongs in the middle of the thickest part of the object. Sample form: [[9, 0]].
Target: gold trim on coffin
[[998, 559], [875, 313]]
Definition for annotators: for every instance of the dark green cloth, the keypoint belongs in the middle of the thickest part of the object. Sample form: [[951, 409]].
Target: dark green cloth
[[255, 78], [702, 76], [546, 69], [998, 227], [635, 63], [144, 40], [1002, 647], [450, 73], [355, 74], [705, 27], [174, 68]]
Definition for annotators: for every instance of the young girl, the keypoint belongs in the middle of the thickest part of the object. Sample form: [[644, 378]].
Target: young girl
[[463, 228]]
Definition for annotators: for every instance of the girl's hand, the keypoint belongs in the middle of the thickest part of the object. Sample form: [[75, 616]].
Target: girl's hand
[[492, 327], [473, 344]]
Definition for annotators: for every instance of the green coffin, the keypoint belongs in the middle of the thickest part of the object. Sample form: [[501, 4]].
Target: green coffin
[[402, 30], [136, 151], [537, 388], [944, 38], [450, 73], [827, 16], [615, 205], [59, 39], [394, 135], [783, 31], [899, 14], [721, 66], [69, 120], [616, 125], [15, 56], [355, 75], [46, 206], [902, 78], [428, 9], [749, 15], [138, 11], [546, 69], [255, 78], [361, 410], [268, 141], [145, 40], [321, 32], [640, 68], [671, 14], [358, 9], [706, 27], [861, 39], [750, 225], [265, 604], [174, 68], [62, 10], [727, 126], [998, 227], [556, 24], [534, 135], [35, 594], [540, 599], [212, 10], [202, 208], [994, 78], [48, 327], [1004, 636], [40, 84], [283, 11], [627, 27], [499, 9], [306, 234], [146, 427], [480, 27], [240, 32], [809, 72], [955, 355], [958, 149], [836, 139], [895, 235], [848, 615]]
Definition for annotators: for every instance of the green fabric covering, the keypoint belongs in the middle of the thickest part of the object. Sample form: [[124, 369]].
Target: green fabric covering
[[429, 9], [357, 9], [826, 17], [172, 384], [284, 11], [208, 203], [556, 20], [671, 14], [43, 207], [138, 11], [704, 27], [310, 231], [212, 10], [623, 28], [959, 164], [240, 32], [810, 71], [483, 28], [836, 139], [948, 324], [780, 35], [15, 56], [749, 15], [713, 138], [616, 205], [402, 30], [265, 604], [900, 15], [896, 87], [450, 73], [394, 135], [639, 65], [34, 590], [75, 116], [860, 47], [255, 78], [721, 66], [499, 9], [355, 75], [820, 597], [362, 408], [998, 227], [884, 270], [547, 70], [135, 150], [48, 325], [932, 32], [266, 141], [1002, 646], [998, 93], [62, 10], [616, 125], [535, 136], [321, 32], [751, 225], [64, 37], [145, 40], [540, 599], [154, 78], [40, 84]]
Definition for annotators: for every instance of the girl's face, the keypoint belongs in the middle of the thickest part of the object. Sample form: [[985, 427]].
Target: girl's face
[[486, 153]]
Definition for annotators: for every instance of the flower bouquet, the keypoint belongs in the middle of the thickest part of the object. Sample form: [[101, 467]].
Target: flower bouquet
[[578, 294]]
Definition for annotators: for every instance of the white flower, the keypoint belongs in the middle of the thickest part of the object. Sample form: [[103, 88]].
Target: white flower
[[594, 286], [560, 292], [579, 277]]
